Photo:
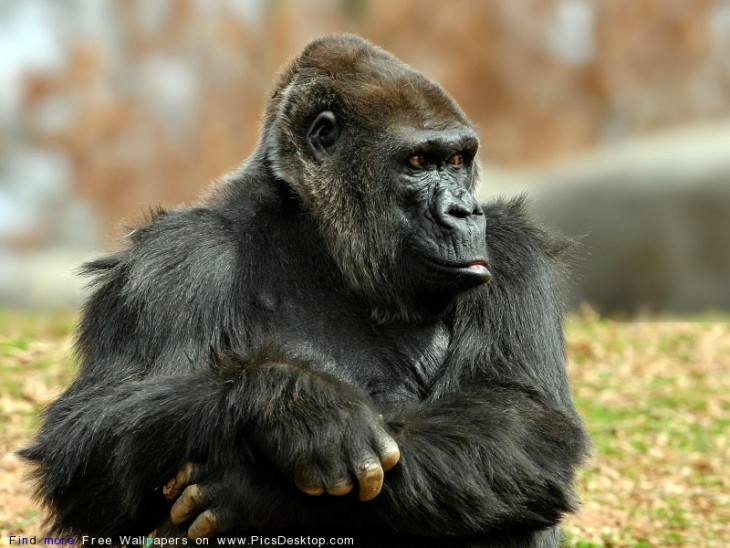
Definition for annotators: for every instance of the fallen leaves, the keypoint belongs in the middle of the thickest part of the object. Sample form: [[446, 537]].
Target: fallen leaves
[[655, 396]]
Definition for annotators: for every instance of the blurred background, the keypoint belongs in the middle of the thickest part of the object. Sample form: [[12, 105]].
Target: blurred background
[[613, 116]]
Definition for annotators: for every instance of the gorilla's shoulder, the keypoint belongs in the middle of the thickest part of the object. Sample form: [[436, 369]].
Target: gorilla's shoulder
[[517, 244], [188, 252]]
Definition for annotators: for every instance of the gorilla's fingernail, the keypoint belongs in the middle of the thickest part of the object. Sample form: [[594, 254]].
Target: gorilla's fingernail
[[371, 482], [169, 486], [203, 526], [313, 490], [391, 458], [339, 489]]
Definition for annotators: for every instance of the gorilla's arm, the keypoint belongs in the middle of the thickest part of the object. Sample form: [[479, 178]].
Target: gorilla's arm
[[109, 449], [156, 388], [495, 445], [482, 460]]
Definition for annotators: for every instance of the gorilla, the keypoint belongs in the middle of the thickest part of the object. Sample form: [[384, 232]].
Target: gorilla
[[337, 340]]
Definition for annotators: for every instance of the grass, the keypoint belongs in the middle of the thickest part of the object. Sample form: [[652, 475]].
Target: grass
[[655, 396]]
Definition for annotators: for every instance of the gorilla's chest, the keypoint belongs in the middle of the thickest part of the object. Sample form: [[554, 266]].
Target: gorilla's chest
[[392, 363]]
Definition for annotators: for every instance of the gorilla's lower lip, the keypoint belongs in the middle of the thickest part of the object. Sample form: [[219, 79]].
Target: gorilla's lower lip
[[478, 269]]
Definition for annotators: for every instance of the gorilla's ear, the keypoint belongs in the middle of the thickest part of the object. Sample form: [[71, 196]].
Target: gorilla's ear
[[323, 135]]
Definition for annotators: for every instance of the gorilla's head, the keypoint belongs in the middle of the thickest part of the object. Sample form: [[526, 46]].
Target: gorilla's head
[[383, 159]]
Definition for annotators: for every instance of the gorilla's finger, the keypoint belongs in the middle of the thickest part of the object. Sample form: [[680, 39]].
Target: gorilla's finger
[[214, 521], [309, 489], [205, 525], [339, 487], [337, 480], [370, 477], [167, 529], [193, 499], [333, 473], [309, 480], [180, 481], [387, 450]]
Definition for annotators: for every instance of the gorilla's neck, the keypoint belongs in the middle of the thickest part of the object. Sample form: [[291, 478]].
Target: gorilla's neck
[[289, 231]]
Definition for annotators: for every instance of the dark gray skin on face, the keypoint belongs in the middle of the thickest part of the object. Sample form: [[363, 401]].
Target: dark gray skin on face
[[337, 341]]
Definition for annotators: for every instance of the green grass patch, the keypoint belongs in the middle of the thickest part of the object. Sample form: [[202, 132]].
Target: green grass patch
[[655, 397]]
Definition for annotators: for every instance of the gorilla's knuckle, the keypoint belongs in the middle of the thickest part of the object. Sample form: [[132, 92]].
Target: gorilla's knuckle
[[193, 495], [368, 466]]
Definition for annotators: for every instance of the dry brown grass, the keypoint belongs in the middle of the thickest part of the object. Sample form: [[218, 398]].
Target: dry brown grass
[[655, 396]]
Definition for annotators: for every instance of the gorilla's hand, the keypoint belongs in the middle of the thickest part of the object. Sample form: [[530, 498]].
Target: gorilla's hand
[[299, 427], [324, 449], [315, 429], [211, 498], [207, 501]]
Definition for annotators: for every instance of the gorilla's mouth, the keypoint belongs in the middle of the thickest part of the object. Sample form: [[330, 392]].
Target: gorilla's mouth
[[480, 269], [475, 271]]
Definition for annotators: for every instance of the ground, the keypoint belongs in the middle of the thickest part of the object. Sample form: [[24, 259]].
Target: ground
[[655, 397]]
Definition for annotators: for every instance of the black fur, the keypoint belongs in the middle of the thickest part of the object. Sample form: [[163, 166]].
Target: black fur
[[275, 323]]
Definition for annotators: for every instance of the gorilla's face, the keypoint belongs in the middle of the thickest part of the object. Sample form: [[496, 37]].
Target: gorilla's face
[[383, 158], [443, 224]]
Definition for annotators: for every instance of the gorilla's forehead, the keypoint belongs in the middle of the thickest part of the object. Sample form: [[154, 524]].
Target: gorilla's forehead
[[375, 85], [405, 98]]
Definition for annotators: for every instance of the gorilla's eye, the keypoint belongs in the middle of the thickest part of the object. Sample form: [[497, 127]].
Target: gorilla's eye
[[456, 160], [416, 160]]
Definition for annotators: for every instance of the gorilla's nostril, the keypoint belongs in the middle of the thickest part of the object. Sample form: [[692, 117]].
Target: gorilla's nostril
[[459, 210]]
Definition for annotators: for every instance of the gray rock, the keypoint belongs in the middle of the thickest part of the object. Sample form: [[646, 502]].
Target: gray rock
[[653, 218]]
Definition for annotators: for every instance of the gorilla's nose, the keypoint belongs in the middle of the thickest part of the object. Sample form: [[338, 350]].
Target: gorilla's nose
[[453, 208], [461, 209]]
